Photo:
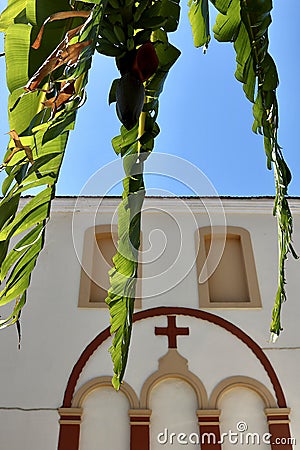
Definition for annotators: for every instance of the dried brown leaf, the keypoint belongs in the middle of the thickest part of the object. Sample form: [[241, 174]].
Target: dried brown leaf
[[63, 54], [58, 16], [66, 92], [18, 147]]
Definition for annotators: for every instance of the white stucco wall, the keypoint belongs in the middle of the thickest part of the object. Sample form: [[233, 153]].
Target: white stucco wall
[[243, 415], [107, 427], [55, 331], [172, 403]]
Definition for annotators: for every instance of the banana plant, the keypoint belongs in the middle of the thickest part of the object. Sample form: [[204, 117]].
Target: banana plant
[[49, 47]]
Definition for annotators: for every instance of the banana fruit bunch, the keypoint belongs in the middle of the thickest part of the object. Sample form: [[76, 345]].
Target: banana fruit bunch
[[125, 34]]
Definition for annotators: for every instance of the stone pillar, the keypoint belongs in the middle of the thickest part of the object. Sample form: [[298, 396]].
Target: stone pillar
[[69, 432], [139, 429], [209, 427], [279, 429]]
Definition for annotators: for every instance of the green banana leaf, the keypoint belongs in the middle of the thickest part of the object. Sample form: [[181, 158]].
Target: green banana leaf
[[45, 137], [33, 37], [199, 20], [135, 146], [246, 23]]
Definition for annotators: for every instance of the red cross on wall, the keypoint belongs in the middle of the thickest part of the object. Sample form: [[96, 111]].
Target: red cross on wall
[[172, 331]]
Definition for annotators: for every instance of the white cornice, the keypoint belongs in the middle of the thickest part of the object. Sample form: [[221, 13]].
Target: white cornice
[[245, 205]]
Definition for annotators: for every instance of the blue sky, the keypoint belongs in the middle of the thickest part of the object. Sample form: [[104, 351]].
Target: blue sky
[[204, 116]]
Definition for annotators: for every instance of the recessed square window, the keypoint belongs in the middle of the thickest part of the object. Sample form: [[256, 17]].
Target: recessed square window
[[100, 245], [226, 269]]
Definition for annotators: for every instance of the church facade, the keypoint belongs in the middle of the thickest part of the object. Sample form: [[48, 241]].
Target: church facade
[[201, 370]]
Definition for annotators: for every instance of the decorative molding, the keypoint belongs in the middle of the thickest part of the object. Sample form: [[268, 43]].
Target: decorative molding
[[164, 311], [98, 383], [140, 412], [69, 422], [277, 411], [70, 411], [241, 382], [139, 422], [279, 428], [208, 416], [208, 412], [209, 425], [69, 428], [139, 416], [272, 422], [70, 415], [173, 365], [139, 428], [277, 415]]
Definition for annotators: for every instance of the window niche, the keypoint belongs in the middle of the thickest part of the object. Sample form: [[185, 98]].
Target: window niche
[[98, 250], [233, 283]]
